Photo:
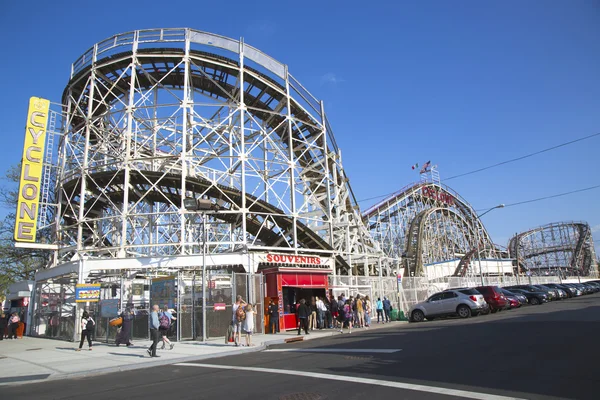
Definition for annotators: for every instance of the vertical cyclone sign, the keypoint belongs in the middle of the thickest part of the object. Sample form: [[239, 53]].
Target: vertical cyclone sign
[[31, 170]]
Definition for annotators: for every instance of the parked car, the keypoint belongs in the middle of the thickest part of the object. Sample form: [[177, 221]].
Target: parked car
[[494, 297], [552, 295], [520, 297], [576, 290], [557, 292], [569, 291], [593, 288], [534, 298], [449, 302]]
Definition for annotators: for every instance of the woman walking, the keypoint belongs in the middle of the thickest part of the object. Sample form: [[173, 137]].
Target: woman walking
[[124, 335], [368, 311], [348, 316], [87, 326], [165, 320]]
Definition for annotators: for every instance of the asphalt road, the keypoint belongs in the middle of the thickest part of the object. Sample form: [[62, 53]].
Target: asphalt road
[[537, 352]]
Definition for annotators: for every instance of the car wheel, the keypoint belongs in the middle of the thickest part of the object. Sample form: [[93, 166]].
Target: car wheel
[[463, 311], [418, 316], [534, 301]]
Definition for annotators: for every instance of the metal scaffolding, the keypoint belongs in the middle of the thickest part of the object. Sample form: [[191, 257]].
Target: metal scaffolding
[[152, 117]]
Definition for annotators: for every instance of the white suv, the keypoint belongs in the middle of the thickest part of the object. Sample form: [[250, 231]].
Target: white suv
[[461, 302]]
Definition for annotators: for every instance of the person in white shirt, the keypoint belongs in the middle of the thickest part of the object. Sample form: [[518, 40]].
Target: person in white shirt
[[320, 313], [87, 326], [249, 324]]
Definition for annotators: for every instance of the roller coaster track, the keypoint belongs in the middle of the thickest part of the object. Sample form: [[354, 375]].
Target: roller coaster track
[[212, 75], [572, 243]]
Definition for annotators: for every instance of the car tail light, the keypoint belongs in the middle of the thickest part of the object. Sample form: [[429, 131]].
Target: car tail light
[[473, 298]]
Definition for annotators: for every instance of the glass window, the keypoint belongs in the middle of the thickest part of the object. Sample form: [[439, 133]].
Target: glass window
[[449, 295], [469, 292], [436, 297]]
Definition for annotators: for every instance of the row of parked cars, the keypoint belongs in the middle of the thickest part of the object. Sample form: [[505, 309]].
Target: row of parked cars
[[466, 302]]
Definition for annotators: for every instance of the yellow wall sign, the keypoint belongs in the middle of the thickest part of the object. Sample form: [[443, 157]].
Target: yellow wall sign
[[31, 170]]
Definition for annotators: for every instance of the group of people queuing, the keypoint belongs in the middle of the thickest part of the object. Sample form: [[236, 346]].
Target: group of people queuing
[[9, 324], [329, 313], [242, 322]]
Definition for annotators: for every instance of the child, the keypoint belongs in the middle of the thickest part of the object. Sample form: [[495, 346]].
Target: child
[[249, 324]]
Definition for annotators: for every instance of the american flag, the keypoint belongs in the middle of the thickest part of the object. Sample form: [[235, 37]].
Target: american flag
[[425, 167]]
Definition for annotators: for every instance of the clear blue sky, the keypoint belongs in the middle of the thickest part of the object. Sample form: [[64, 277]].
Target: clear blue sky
[[464, 84]]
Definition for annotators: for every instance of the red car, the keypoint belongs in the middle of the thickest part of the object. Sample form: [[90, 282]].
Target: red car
[[514, 303], [494, 297]]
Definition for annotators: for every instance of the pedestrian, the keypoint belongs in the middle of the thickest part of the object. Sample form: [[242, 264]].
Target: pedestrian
[[13, 324], [368, 311], [312, 322], [360, 311], [249, 324], [3, 325], [87, 327], [124, 334], [273, 311], [348, 316], [341, 315], [387, 308], [154, 325], [328, 317], [320, 313], [379, 306], [303, 315], [334, 313], [164, 323], [238, 318]]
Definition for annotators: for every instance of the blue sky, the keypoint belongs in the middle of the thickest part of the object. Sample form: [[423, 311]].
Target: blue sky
[[464, 84]]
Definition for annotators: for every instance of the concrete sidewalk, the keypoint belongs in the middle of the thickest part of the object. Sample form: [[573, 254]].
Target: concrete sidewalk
[[33, 359]]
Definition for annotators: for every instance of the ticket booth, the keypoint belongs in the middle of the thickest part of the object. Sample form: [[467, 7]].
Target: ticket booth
[[289, 278]]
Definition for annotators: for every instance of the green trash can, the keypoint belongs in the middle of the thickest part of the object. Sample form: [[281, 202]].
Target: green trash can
[[401, 316], [394, 315]]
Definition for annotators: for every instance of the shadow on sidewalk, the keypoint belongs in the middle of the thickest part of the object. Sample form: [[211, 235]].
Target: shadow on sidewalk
[[128, 355]]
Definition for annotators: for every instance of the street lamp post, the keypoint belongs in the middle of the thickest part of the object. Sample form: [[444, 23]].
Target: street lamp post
[[201, 205], [477, 217]]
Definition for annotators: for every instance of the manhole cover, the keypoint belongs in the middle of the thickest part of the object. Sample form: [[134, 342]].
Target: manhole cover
[[302, 396]]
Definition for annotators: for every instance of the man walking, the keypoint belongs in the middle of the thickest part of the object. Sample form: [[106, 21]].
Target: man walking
[[154, 324], [303, 314], [387, 307]]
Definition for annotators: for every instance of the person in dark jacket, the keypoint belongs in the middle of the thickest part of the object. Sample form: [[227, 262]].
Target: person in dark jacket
[[3, 325], [124, 335], [303, 314], [273, 317], [387, 308]]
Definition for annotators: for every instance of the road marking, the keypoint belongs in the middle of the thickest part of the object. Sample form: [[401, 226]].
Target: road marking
[[354, 379], [319, 350]]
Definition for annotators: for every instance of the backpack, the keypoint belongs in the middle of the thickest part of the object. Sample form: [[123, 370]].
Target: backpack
[[89, 326], [164, 321], [240, 314]]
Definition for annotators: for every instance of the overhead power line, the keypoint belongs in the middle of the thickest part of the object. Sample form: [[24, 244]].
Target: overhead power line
[[498, 164], [548, 197], [524, 157]]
